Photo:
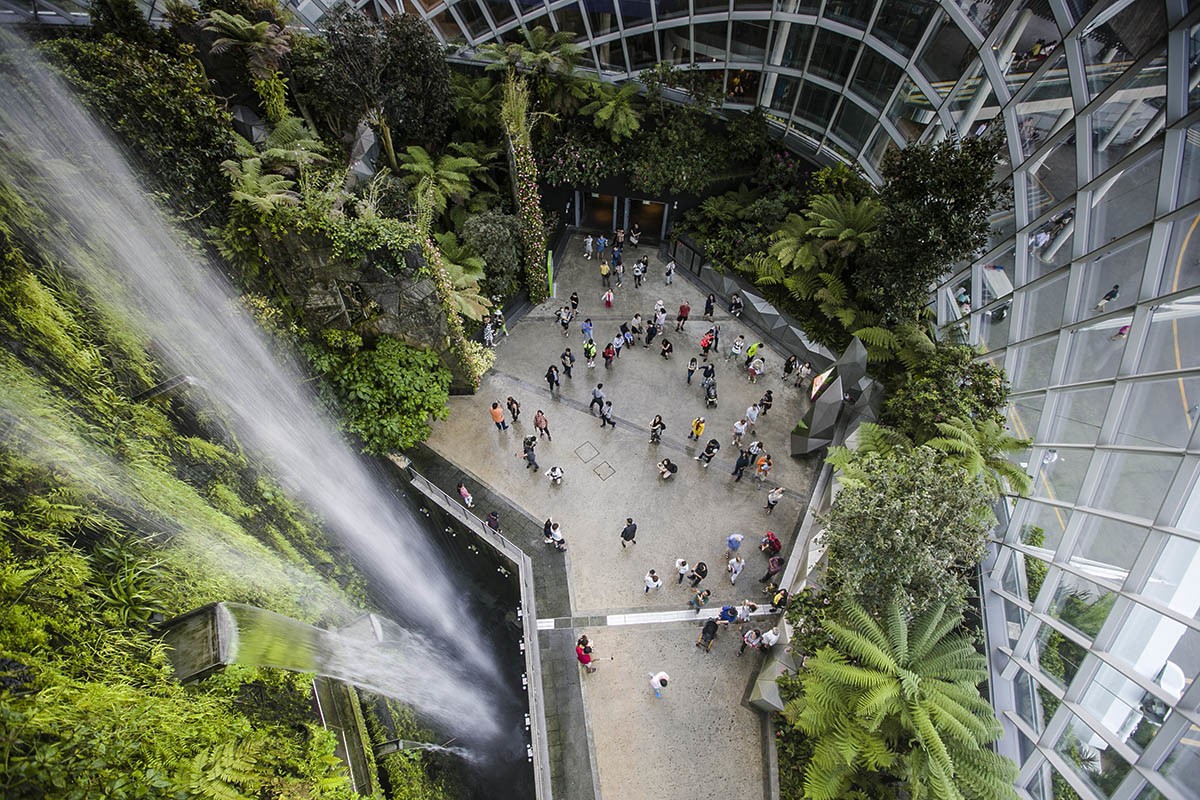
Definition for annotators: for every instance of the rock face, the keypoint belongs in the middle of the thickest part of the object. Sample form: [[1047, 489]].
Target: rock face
[[376, 296]]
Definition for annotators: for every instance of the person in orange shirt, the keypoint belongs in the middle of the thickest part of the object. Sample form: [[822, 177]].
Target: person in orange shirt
[[498, 417]]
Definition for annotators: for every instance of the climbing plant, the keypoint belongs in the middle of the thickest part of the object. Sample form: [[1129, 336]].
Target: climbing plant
[[514, 115]]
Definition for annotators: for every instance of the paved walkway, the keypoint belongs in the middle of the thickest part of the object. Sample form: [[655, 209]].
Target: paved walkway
[[610, 737]]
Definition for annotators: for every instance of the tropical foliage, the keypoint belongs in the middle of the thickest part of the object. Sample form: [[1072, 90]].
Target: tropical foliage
[[892, 709], [514, 114]]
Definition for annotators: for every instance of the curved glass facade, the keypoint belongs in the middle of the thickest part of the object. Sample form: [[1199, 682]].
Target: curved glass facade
[[1088, 294]]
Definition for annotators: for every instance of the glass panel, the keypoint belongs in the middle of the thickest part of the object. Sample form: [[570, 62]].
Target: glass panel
[[710, 40], [1182, 767], [815, 104], [1032, 365], [1175, 579], [879, 145], [853, 124], [1189, 172], [472, 17], [1172, 342], [1125, 202], [634, 13], [1025, 413], [1036, 785], [501, 11], [785, 94], [1043, 527], [448, 26], [1117, 125], [667, 9], [742, 86], [1004, 221], [569, 19], [875, 78], [1044, 305], [1058, 656], [1107, 547], [946, 53], [1036, 42], [1194, 58], [1091, 757], [676, 45], [1117, 702], [1050, 243], [1118, 272], [642, 53], [833, 56], [705, 6], [993, 326], [601, 18], [854, 13], [1061, 478], [1159, 648], [1181, 270], [911, 110], [1082, 604], [746, 5], [900, 23], [1078, 415], [1046, 108], [1135, 483], [749, 42], [1160, 413], [1028, 706], [1094, 353], [1051, 178], [964, 98], [795, 51], [611, 56]]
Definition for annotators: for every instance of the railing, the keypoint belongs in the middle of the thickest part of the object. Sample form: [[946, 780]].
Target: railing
[[539, 753]]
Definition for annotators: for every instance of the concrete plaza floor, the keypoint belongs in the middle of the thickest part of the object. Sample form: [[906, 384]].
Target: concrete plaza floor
[[701, 739]]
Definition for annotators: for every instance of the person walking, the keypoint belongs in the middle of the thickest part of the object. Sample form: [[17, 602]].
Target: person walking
[[706, 344], [735, 567], [779, 600], [607, 297], [543, 425], [609, 354], [465, 494], [493, 521], [629, 532], [667, 349], [684, 310], [514, 408], [750, 638], [764, 403], [710, 450], [589, 353], [697, 429], [710, 303], [552, 379], [657, 426], [586, 327], [601, 245], [651, 581], [769, 639], [751, 352], [682, 567], [698, 573], [700, 599], [669, 272], [498, 417], [739, 466], [773, 498], [790, 366], [597, 397], [527, 451], [565, 315], [658, 682], [751, 417], [755, 371], [735, 349], [692, 366], [804, 373], [574, 304], [568, 361], [1109, 296], [733, 543], [606, 415], [635, 327], [762, 468], [588, 247], [555, 474], [739, 430], [638, 272], [583, 653], [774, 567], [618, 342], [618, 268]]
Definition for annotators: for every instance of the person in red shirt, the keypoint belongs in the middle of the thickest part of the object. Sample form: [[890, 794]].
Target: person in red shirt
[[681, 320], [583, 653]]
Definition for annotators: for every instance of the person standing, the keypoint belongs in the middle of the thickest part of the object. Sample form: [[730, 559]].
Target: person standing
[[700, 600], [609, 354], [607, 297], [751, 417], [601, 246], [606, 415], [666, 349], [710, 303], [543, 425], [514, 408], [1110, 295], [706, 343], [1121, 333], [804, 374], [691, 369], [773, 498], [735, 567], [583, 653], [586, 328], [762, 468], [574, 304], [658, 682], [682, 318], [618, 268], [588, 243], [682, 567], [774, 567], [750, 638], [739, 466], [739, 430], [669, 272], [651, 581], [465, 494], [697, 429], [765, 402], [629, 532], [698, 573], [527, 450], [769, 639], [555, 475], [751, 352], [637, 274], [657, 426], [618, 342], [568, 361], [735, 350], [597, 397], [710, 450], [652, 330], [498, 417], [589, 353], [735, 305], [552, 379], [493, 521], [635, 233], [790, 366], [756, 369]]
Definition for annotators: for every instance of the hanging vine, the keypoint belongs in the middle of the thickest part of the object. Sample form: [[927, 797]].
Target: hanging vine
[[514, 115]]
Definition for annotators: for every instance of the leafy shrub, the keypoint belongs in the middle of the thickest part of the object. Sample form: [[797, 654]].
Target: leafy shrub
[[577, 158], [944, 384]]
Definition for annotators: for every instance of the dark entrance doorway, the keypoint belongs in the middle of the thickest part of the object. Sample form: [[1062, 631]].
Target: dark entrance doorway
[[649, 215], [598, 212]]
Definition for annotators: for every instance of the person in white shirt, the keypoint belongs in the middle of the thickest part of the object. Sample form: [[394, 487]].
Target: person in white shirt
[[652, 581], [658, 682], [736, 565], [769, 638]]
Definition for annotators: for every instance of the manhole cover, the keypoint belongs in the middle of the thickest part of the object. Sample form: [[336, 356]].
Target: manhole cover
[[586, 452], [604, 471]]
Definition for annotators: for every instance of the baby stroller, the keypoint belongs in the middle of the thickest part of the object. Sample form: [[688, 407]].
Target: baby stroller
[[710, 392], [708, 634]]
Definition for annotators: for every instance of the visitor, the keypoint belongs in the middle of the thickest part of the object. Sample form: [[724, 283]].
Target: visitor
[[574, 304], [739, 466], [607, 297], [606, 415], [751, 417], [597, 397], [710, 303], [805, 373], [493, 521], [583, 652], [609, 354], [710, 450], [527, 452], [764, 403], [669, 272], [769, 639], [750, 638], [735, 305], [588, 243], [651, 581], [568, 361], [770, 544], [773, 498], [601, 246], [666, 468], [779, 600], [732, 543], [681, 319], [691, 369], [667, 349], [465, 494], [734, 568], [762, 468], [629, 532], [755, 371], [739, 430], [589, 353], [657, 426], [774, 567], [498, 417], [698, 573], [552, 379], [514, 408], [586, 328], [658, 682], [635, 234], [790, 366], [555, 475], [682, 567], [752, 352], [700, 599], [735, 350], [697, 429]]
